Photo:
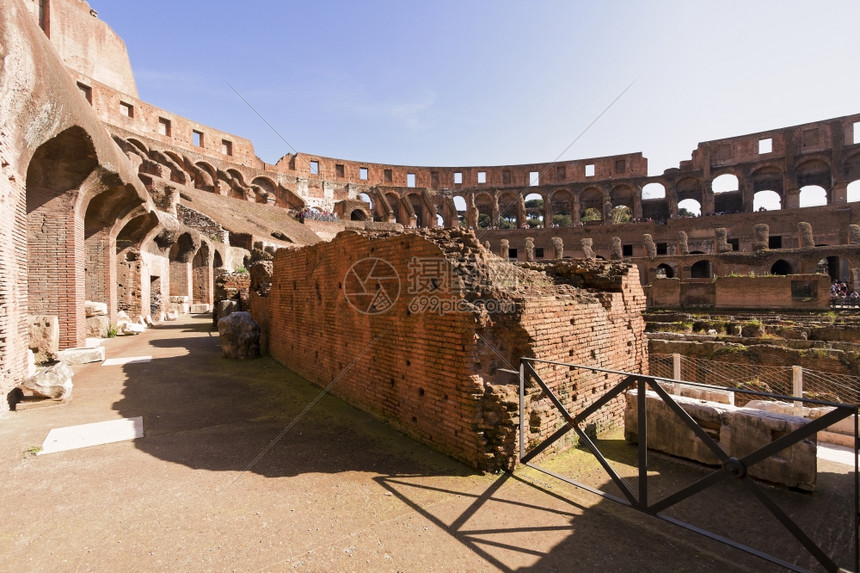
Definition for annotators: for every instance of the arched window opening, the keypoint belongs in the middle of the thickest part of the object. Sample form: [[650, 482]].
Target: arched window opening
[[701, 270], [813, 196], [534, 211], [781, 267], [725, 183], [689, 208], [665, 271], [654, 191], [621, 214], [854, 191], [460, 206], [767, 201]]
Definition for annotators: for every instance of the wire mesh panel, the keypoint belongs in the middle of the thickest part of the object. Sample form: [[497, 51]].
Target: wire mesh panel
[[826, 386], [735, 451]]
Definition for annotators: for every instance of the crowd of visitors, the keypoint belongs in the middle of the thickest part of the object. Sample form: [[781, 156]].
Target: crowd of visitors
[[314, 215], [839, 289]]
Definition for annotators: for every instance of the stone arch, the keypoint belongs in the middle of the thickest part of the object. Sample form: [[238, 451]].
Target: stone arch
[[102, 214], [423, 216], [205, 177], [727, 194], [180, 255], [767, 178], [536, 213], [690, 205], [689, 188], [782, 267], [237, 176], [131, 288], [139, 145], [726, 182], [509, 210], [217, 261], [484, 206], [358, 215], [55, 242], [623, 195], [852, 167], [461, 209], [265, 190], [202, 289], [562, 206], [591, 198], [813, 196], [654, 190], [665, 270], [701, 270], [815, 171], [393, 200]]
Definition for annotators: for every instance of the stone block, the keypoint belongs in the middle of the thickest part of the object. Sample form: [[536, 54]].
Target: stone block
[[74, 356], [98, 326], [44, 337], [738, 432], [52, 382], [95, 308], [200, 308], [240, 336]]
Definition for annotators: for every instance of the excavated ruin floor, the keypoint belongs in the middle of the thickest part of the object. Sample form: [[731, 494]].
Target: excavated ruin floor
[[225, 478]]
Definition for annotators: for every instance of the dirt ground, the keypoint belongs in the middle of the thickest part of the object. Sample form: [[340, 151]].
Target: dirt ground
[[230, 477]]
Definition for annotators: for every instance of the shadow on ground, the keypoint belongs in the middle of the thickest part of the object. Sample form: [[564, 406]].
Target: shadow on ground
[[210, 413]]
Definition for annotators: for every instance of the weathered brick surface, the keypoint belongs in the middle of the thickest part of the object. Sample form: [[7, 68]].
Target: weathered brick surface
[[435, 375]]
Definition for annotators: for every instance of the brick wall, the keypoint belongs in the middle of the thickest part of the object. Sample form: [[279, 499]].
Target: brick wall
[[129, 287], [14, 332], [774, 292], [435, 375]]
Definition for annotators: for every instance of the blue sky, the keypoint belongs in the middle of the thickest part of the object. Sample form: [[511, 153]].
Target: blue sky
[[489, 83]]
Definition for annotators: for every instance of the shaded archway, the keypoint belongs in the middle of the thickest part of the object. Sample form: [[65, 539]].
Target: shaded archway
[[265, 190], [484, 206], [131, 289], [509, 210], [591, 204], [781, 267], [55, 241], [561, 204], [665, 271], [201, 276], [701, 270]]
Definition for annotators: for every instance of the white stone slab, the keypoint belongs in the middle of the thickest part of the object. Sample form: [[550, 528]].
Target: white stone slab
[[126, 360], [85, 435], [93, 342], [74, 356], [838, 454]]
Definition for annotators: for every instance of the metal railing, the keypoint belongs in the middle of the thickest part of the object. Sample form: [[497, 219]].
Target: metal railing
[[730, 466]]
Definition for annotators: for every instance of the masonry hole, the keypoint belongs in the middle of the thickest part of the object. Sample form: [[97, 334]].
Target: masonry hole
[[421, 391], [408, 363], [414, 420], [392, 382]]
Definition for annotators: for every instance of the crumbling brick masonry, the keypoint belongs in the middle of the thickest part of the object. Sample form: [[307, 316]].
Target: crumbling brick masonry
[[423, 345]]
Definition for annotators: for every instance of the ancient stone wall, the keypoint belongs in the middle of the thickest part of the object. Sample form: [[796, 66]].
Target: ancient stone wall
[[424, 351], [85, 43]]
